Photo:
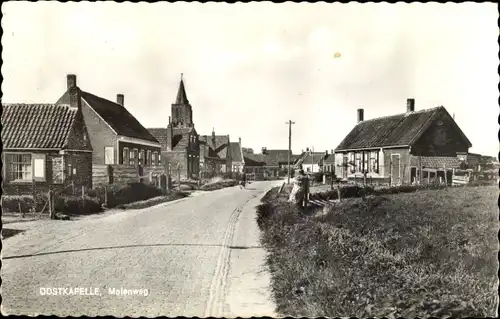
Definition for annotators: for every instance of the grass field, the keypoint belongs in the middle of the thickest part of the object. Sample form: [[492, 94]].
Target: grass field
[[429, 253]]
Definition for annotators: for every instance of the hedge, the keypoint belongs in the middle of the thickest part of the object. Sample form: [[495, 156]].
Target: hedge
[[74, 205], [11, 203], [67, 204], [220, 184], [120, 194]]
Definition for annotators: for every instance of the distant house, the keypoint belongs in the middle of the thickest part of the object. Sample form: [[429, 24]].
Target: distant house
[[261, 166], [180, 147], [280, 157], [402, 148], [329, 162], [237, 156], [215, 154], [116, 136], [44, 144], [310, 162]]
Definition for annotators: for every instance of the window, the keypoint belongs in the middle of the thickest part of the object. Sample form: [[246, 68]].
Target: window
[[358, 162], [141, 158], [153, 158], [148, 158], [18, 167], [133, 157], [344, 160], [366, 157], [109, 155], [126, 154], [374, 162], [159, 158]]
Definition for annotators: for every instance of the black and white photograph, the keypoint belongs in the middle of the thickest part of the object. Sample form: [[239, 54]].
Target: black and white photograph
[[224, 160]]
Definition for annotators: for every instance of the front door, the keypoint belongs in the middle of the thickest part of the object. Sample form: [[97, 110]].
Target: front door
[[395, 169]]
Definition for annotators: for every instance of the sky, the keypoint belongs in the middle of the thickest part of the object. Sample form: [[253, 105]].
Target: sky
[[250, 67]]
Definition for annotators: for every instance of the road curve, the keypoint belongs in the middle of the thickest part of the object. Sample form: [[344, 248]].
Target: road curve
[[199, 256]]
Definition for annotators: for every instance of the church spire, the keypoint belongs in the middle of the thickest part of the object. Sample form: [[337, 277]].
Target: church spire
[[181, 94]]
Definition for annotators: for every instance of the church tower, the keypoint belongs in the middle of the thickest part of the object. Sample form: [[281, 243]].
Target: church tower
[[182, 113]]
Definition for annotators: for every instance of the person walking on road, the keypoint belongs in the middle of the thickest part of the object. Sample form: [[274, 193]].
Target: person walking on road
[[243, 180]]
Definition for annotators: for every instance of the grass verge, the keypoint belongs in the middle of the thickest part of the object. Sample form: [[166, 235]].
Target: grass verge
[[420, 254]]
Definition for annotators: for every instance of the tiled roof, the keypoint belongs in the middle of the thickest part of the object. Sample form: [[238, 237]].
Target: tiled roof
[[219, 150], [280, 156], [258, 160], [236, 152], [311, 157], [401, 129], [330, 159], [440, 162], [118, 117], [180, 140], [29, 126]]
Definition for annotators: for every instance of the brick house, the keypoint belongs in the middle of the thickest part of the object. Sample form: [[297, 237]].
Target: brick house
[[46, 145], [116, 136], [402, 148], [215, 154], [237, 156], [180, 146]]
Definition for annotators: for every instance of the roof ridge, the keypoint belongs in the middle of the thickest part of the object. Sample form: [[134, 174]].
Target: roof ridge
[[403, 114]]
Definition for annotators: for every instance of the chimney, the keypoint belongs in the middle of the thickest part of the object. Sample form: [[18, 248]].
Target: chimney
[[71, 81], [119, 99], [170, 134], [239, 139], [307, 149], [73, 91], [331, 151], [360, 115], [264, 150], [326, 152], [410, 105]]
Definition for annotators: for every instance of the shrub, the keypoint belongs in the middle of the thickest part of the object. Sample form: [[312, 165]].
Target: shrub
[[74, 205]]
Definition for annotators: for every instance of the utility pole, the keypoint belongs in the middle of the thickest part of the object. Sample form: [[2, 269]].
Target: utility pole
[[312, 160], [289, 123]]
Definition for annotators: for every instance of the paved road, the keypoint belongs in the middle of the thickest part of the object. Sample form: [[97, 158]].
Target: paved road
[[199, 256]]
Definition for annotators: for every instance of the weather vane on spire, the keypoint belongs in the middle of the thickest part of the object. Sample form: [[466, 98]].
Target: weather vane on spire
[[182, 75]]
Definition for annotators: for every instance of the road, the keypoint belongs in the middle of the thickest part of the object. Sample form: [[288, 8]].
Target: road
[[198, 256]]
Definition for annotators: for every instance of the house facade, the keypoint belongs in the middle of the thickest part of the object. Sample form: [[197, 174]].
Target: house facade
[[238, 161], [403, 148], [116, 136], [179, 140], [45, 146], [215, 154]]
